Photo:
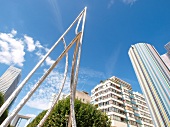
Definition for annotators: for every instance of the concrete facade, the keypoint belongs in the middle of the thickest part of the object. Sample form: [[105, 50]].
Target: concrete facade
[[124, 107]]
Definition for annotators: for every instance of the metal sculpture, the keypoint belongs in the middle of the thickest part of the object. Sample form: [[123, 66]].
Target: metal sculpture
[[74, 74]]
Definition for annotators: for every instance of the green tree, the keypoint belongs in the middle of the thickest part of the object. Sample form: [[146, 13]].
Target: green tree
[[86, 115], [5, 114]]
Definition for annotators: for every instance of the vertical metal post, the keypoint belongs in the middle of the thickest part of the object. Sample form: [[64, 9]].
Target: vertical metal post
[[73, 85], [59, 93]]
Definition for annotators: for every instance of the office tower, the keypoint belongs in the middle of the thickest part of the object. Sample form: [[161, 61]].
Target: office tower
[[167, 47], [154, 78], [124, 107], [166, 57], [9, 81]]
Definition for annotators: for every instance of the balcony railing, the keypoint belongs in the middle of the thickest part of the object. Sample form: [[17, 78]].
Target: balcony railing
[[136, 114], [133, 102], [139, 121], [131, 96], [130, 91], [135, 108]]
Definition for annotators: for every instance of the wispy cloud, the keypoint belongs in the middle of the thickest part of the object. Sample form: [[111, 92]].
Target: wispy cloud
[[41, 98], [111, 2], [91, 73], [13, 51], [51, 85], [57, 14], [129, 2], [30, 43], [41, 52], [88, 78], [111, 62]]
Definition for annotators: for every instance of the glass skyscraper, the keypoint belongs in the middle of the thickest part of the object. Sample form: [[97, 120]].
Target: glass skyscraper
[[9, 81], [166, 57], [167, 47], [154, 78]]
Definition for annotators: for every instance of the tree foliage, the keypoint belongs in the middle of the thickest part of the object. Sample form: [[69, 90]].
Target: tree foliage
[[86, 115], [5, 114]]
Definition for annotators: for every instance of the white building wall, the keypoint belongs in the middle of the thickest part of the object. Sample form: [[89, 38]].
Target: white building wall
[[116, 98]]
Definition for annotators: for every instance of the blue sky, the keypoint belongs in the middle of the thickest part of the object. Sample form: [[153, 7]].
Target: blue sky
[[29, 28]]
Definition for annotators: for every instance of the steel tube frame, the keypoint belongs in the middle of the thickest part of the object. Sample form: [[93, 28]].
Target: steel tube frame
[[18, 89], [29, 94], [72, 119], [58, 96], [74, 75]]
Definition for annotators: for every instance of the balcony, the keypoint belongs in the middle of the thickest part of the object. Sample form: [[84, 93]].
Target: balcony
[[123, 98], [133, 102], [136, 114], [135, 108], [131, 96], [130, 91], [139, 121]]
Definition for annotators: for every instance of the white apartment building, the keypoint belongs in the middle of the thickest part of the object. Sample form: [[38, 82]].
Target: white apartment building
[[124, 107]]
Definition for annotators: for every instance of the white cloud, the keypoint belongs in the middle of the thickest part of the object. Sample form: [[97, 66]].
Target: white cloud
[[38, 45], [49, 61], [51, 85], [14, 32], [40, 53], [11, 49], [30, 43]]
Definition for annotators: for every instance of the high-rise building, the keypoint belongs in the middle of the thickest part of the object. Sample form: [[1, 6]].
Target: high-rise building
[[167, 47], [166, 57], [124, 107], [154, 78], [9, 81]]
